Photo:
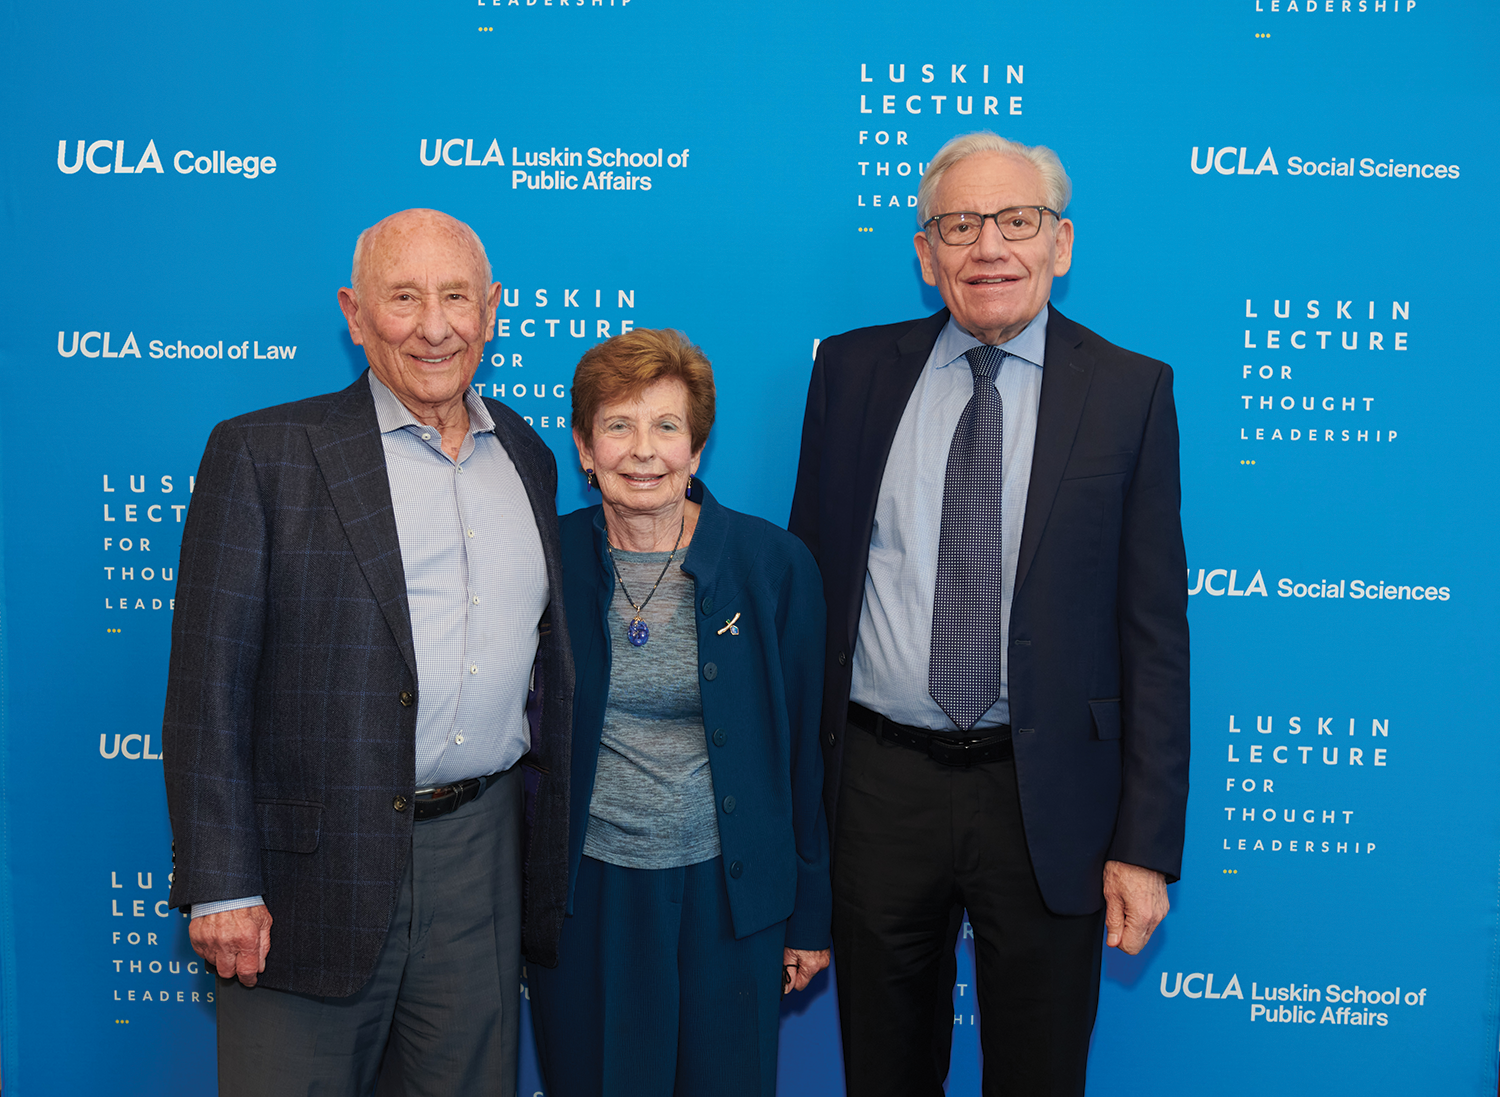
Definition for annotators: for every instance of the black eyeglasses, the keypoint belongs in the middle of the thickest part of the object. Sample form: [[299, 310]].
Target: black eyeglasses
[[964, 227]]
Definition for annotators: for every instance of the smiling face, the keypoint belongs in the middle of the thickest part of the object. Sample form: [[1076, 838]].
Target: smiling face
[[994, 287], [642, 451], [423, 309]]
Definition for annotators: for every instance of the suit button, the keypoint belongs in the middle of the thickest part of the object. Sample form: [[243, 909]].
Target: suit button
[[729, 803], [708, 605], [843, 658], [736, 869], [719, 737], [399, 803], [710, 671], [830, 739], [406, 697]]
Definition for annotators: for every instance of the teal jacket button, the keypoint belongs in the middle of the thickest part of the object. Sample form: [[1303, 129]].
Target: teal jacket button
[[719, 737], [729, 803], [710, 671], [708, 605], [736, 869]]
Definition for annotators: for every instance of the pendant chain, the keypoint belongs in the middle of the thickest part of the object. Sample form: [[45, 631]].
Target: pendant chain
[[640, 609]]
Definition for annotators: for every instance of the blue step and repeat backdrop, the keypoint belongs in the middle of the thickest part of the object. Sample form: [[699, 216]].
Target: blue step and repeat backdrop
[[1293, 203]]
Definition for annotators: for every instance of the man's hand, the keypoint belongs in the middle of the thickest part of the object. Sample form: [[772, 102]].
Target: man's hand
[[234, 942], [801, 965], [1136, 902]]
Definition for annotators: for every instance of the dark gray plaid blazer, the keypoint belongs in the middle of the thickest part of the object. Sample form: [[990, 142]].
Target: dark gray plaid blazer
[[290, 726]]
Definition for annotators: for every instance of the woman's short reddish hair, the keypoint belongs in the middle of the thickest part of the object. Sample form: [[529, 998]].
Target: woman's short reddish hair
[[623, 367]]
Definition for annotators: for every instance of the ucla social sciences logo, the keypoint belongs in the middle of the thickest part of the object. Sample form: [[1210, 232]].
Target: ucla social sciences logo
[[1237, 160], [113, 156]]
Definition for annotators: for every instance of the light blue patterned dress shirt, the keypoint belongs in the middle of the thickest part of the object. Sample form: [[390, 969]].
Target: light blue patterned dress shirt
[[895, 623], [476, 583]]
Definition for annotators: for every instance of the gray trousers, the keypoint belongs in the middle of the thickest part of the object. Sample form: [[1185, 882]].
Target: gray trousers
[[446, 989]]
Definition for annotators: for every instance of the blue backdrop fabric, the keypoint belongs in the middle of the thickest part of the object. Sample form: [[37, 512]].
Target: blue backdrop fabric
[[1290, 203]]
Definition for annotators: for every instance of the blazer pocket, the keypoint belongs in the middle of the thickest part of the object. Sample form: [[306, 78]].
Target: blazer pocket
[[1109, 464], [1106, 718], [293, 826]]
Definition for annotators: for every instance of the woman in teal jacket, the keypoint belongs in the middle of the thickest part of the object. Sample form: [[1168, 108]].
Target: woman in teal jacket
[[698, 875]]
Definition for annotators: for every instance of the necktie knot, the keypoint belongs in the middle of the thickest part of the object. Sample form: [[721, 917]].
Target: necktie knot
[[985, 361]]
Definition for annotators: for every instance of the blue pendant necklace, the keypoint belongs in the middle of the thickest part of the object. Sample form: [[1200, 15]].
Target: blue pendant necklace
[[637, 632]]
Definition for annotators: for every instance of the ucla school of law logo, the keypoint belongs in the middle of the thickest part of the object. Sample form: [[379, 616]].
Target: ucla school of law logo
[[96, 344], [110, 156]]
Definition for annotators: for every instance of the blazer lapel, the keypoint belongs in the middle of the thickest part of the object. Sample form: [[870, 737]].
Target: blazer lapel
[[351, 457], [1066, 375]]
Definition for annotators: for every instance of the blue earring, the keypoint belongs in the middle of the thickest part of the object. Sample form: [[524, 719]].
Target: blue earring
[[588, 474], [690, 486]]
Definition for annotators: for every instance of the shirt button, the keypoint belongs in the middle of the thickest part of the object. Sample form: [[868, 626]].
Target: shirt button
[[471, 533], [426, 437], [473, 670], [476, 599], [460, 468], [459, 738]]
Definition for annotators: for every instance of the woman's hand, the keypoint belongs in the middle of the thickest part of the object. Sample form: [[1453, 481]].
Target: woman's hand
[[799, 966]]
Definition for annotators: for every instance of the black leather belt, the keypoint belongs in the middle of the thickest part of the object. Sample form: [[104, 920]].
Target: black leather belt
[[949, 750], [429, 803]]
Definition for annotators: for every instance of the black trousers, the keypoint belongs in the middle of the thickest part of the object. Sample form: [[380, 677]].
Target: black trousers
[[917, 843]]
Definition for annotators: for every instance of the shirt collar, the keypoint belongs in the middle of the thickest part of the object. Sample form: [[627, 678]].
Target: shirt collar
[[1029, 346], [392, 414]]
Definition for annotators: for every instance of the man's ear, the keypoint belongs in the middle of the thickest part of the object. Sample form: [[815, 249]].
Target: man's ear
[[350, 306], [924, 256], [489, 307], [1064, 249]]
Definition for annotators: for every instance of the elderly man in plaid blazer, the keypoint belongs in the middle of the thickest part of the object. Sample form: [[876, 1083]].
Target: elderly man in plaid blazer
[[370, 689]]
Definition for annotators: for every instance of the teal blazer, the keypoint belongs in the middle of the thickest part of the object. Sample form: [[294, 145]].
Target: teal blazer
[[762, 693]]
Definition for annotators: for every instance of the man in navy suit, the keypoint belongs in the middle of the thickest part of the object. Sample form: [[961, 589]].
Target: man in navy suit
[[365, 655], [992, 495]]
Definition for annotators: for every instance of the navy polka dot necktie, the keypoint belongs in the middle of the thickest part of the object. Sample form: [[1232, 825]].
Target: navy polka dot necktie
[[963, 671]]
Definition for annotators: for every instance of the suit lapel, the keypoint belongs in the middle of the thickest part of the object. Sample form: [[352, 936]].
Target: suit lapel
[[1066, 375], [351, 457]]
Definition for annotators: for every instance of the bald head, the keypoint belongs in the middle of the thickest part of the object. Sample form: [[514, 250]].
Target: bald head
[[393, 230], [422, 306]]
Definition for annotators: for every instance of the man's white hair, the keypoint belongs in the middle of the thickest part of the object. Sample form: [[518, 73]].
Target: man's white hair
[[1057, 188], [463, 230]]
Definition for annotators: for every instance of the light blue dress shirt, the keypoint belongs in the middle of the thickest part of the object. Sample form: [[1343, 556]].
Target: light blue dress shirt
[[476, 583], [895, 623]]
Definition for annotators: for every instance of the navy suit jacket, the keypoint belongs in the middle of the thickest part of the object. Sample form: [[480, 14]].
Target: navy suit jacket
[[290, 728], [761, 692], [1098, 666]]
